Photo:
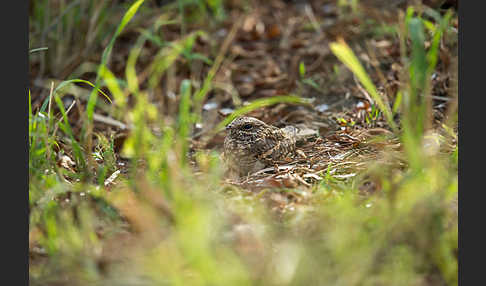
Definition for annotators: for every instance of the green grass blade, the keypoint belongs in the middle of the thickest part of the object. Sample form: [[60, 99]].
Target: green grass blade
[[185, 117], [433, 53], [113, 87], [398, 102], [346, 55], [418, 67], [65, 83], [106, 54], [130, 72], [66, 128]]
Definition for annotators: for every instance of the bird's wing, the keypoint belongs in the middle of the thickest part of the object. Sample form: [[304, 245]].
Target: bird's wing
[[276, 146]]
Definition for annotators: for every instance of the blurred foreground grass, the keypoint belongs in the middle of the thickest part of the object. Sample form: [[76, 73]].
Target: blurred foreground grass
[[163, 223]]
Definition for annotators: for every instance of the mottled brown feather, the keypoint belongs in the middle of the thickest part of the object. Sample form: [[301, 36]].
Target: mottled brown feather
[[251, 145]]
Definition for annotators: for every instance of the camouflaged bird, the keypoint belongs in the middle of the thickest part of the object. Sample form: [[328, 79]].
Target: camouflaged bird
[[251, 145]]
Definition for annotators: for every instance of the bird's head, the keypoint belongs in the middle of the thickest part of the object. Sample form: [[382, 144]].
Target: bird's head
[[245, 127]]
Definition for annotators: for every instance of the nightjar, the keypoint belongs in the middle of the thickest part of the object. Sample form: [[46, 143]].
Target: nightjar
[[251, 145]]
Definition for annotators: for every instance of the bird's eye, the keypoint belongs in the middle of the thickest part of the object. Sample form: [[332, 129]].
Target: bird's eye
[[247, 127]]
